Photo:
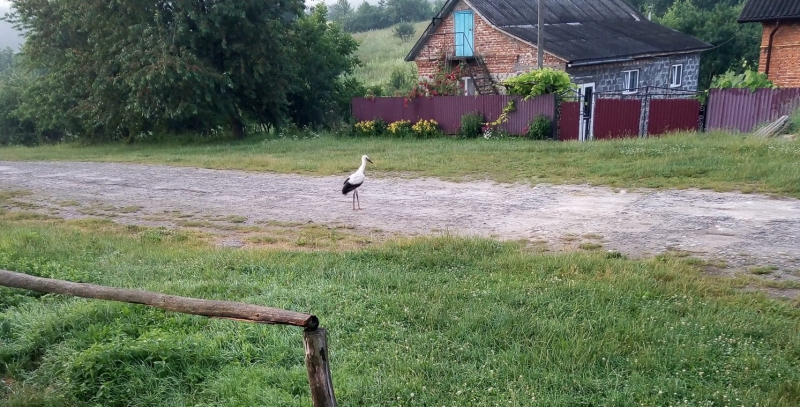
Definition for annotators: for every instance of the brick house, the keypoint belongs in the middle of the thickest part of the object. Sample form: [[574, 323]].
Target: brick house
[[780, 38], [604, 45]]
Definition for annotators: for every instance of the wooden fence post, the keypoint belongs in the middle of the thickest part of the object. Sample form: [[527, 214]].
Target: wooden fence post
[[319, 370]]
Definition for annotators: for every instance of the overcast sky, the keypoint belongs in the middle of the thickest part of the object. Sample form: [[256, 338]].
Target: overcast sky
[[10, 37]]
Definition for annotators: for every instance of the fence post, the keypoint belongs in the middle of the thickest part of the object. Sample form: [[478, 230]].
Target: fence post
[[319, 370]]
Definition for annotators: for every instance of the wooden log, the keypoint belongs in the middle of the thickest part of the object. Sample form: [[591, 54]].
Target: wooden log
[[209, 308], [319, 371]]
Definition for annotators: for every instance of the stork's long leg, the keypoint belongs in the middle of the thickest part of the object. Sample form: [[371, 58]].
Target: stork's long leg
[[354, 200], [359, 203]]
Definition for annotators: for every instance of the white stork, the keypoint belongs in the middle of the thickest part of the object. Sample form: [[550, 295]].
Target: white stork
[[355, 180]]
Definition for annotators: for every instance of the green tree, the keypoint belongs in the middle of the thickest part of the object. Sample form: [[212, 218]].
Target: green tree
[[660, 7], [735, 44], [340, 12], [6, 59], [14, 129], [112, 69], [367, 17], [403, 31], [325, 55], [408, 10]]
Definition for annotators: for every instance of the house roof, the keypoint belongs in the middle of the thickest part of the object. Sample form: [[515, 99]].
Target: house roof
[[578, 31], [761, 10]]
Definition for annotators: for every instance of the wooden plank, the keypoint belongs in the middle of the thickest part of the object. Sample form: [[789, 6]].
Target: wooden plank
[[209, 308]]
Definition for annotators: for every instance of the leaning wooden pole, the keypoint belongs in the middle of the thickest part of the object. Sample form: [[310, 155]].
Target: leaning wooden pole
[[318, 366], [209, 308]]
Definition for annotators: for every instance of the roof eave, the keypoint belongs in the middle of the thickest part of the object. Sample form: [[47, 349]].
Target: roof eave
[[763, 19], [627, 58], [423, 39]]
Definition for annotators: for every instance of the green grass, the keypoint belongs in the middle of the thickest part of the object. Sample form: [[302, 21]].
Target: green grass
[[715, 161], [380, 53], [428, 321]]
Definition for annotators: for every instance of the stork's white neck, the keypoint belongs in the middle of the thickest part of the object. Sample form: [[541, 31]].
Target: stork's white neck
[[363, 165]]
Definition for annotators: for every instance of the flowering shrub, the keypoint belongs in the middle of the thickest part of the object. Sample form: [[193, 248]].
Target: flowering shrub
[[369, 128], [400, 128], [426, 129], [445, 81], [365, 128], [495, 134]]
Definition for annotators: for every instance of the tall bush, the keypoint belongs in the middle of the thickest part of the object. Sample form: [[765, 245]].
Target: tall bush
[[540, 128], [471, 125], [749, 79]]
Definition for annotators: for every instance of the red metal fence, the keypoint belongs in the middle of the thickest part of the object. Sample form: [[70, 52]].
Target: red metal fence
[[615, 118], [618, 116], [671, 115], [447, 110], [743, 110]]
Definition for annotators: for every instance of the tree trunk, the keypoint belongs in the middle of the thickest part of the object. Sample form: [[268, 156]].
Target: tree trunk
[[237, 127]]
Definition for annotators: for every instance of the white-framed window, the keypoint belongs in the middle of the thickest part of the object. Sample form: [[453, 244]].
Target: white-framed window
[[630, 81], [675, 75]]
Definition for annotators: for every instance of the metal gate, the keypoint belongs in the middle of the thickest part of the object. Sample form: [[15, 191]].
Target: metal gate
[[569, 116], [617, 118]]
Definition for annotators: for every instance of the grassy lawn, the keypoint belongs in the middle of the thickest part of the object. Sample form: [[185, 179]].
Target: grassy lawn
[[380, 53], [716, 161], [429, 322], [426, 321]]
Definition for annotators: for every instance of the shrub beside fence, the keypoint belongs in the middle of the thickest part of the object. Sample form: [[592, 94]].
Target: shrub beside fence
[[448, 110]]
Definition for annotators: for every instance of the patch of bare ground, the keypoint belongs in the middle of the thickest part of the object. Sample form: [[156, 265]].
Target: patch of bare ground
[[732, 233]]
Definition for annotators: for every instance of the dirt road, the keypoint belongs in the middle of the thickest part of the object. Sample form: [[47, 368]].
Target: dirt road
[[744, 230]]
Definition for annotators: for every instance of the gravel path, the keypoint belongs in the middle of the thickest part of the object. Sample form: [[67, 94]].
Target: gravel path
[[743, 230]]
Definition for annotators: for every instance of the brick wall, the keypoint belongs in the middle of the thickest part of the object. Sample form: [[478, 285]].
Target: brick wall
[[784, 66], [504, 55]]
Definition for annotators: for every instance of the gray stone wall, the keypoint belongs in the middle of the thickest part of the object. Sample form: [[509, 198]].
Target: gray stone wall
[[653, 72]]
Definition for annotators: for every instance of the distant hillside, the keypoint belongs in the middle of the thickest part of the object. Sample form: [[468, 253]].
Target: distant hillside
[[380, 53]]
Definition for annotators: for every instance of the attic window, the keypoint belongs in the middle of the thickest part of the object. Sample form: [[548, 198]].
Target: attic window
[[630, 81], [675, 75]]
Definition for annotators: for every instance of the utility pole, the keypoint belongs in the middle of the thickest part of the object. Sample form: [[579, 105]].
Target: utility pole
[[539, 36]]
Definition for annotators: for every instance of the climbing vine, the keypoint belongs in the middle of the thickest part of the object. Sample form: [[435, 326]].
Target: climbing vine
[[503, 118]]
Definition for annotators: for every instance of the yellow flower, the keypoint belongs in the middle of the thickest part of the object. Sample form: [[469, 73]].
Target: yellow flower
[[399, 127], [426, 128]]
